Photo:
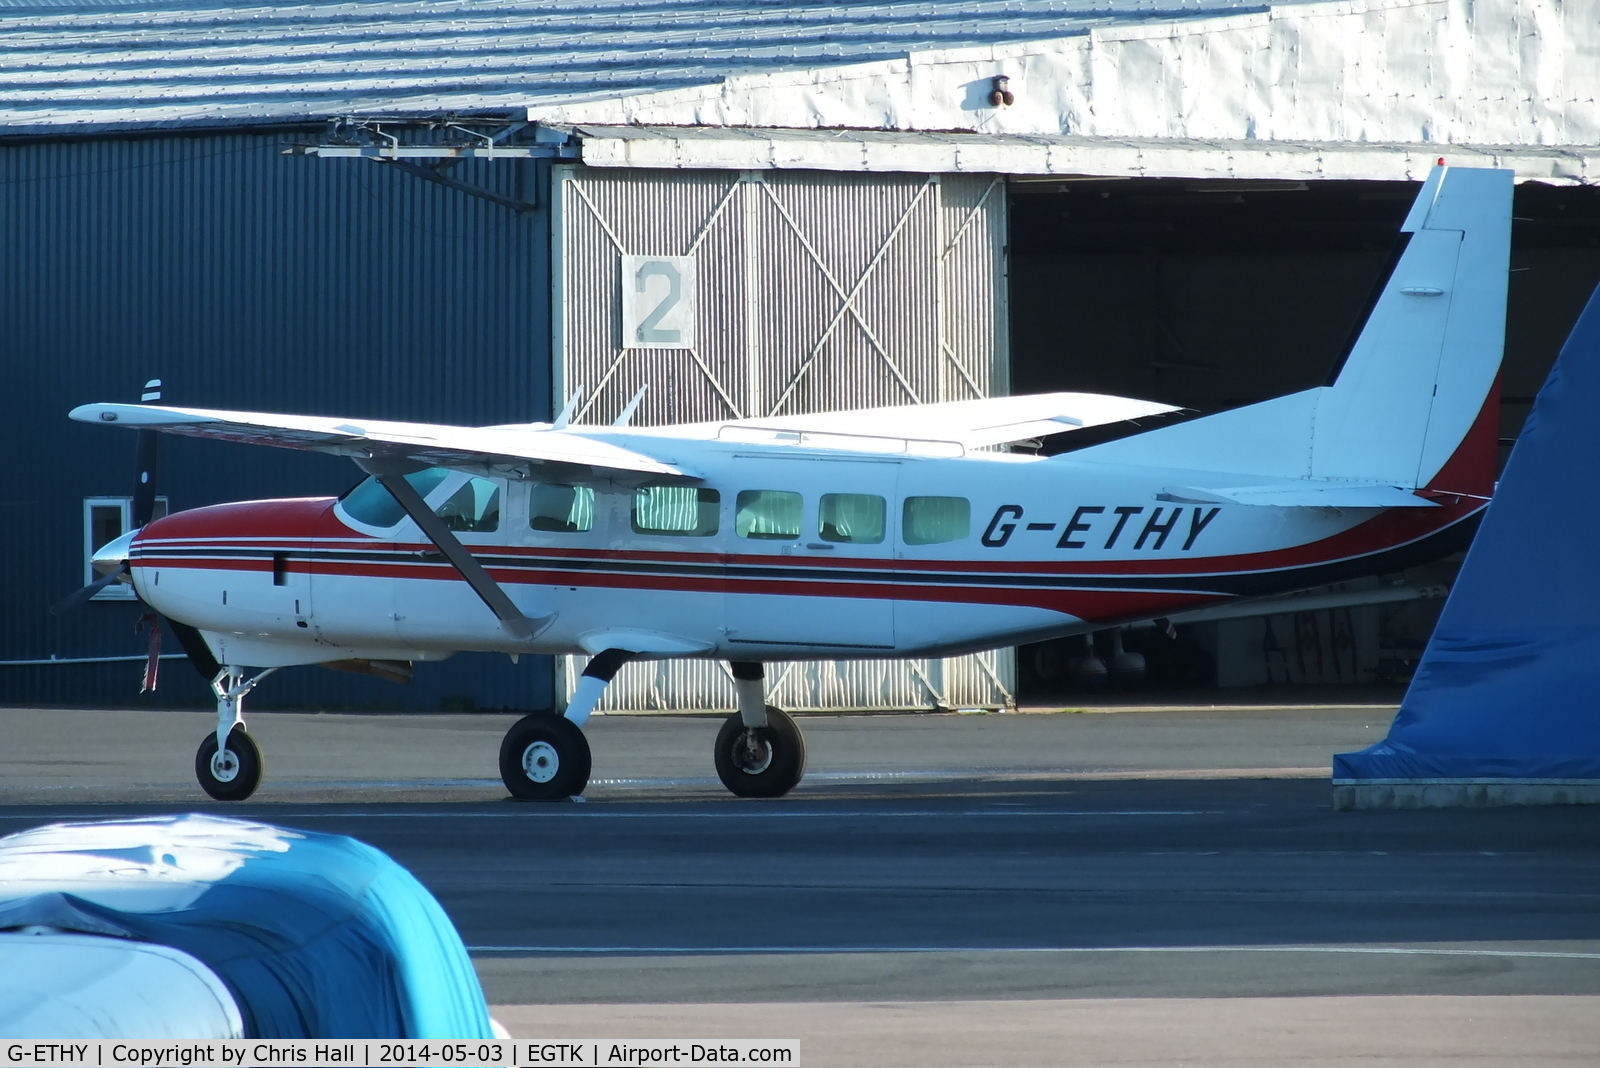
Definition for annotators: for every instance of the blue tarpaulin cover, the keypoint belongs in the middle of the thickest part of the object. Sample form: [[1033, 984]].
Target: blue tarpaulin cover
[[315, 935], [1507, 686]]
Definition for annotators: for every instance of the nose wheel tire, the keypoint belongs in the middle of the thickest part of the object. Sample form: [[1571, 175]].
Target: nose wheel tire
[[761, 761], [235, 772], [544, 757]]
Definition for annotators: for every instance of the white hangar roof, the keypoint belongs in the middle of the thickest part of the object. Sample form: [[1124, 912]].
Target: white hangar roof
[[1293, 88], [67, 63], [1374, 89]]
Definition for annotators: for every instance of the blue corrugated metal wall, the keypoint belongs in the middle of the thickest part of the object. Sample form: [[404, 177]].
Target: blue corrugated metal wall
[[245, 279]]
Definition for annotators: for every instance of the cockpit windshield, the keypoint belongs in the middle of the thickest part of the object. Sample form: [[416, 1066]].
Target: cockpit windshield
[[369, 503]]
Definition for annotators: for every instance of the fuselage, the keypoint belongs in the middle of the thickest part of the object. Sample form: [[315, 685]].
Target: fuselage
[[777, 553]]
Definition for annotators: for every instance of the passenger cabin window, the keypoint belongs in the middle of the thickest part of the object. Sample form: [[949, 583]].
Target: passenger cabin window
[[472, 509], [773, 515], [373, 505], [935, 520], [686, 511], [563, 509], [856, 518]]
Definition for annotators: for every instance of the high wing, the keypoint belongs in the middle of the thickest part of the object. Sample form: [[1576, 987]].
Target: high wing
[[506, 449], [972, 424]]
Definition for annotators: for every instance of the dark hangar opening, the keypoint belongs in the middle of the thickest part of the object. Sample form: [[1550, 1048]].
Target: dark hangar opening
[[1211, 294]]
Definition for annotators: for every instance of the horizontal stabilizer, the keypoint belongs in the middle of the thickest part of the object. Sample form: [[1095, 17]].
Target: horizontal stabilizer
[[1304, 494], [972, 424], [507, 449]]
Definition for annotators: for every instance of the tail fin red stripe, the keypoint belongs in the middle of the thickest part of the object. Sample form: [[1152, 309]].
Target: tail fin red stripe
[[1471, 469]]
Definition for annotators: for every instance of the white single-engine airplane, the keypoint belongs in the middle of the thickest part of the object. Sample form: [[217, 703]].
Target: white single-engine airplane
[[889, 532]]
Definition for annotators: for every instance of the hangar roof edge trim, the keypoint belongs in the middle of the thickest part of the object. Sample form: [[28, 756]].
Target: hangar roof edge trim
[[1065, 156]]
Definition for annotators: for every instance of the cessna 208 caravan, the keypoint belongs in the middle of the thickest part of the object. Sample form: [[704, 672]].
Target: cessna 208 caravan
[[889, 532]]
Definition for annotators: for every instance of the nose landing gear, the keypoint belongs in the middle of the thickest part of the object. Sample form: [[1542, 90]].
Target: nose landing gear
[[228, 763], [231, 773]]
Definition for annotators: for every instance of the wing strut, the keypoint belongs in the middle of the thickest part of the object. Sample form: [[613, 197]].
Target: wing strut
[[512, 621]]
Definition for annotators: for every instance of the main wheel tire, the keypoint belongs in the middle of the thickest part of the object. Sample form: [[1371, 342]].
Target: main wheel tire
[[544, 757], [761, 761], [236, 774]]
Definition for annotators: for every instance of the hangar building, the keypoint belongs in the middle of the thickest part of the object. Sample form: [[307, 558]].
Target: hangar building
[[422, 211]]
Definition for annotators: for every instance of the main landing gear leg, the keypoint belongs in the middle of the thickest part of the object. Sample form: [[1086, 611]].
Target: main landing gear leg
[[545, 757], [228, 763], [760, 751]]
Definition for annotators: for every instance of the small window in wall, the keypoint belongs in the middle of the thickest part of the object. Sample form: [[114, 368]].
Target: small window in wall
[[687, 511], [768, 514], [856, 518], [107, 519], [563, 509], [472, 509], [935, 520]]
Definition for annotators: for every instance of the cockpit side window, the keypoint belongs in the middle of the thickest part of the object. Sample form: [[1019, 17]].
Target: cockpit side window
[[369, 503], [474, 508]]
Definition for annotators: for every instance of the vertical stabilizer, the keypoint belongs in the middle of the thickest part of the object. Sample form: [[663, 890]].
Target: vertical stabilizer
[[1415, 382], [1428, 354]]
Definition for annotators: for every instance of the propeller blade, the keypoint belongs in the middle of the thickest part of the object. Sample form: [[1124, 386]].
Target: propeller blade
[[81, 597], [144, 486], [194, 645], [144, 482]]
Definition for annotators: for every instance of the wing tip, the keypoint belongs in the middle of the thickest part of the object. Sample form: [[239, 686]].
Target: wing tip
[[138, 415], [93, 413]]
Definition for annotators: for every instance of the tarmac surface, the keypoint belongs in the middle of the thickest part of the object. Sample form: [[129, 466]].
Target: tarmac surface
[[1139, 887]]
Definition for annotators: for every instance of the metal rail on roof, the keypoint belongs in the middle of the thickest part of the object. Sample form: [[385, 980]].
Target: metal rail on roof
[[384, 148], [392, 152], [841, 439]]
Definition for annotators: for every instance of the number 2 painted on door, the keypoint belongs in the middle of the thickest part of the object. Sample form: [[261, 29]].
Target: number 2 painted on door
[[658, 302], [649, 329]]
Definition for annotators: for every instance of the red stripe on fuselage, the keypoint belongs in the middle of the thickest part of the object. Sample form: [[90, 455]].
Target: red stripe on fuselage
[[1385, 531], [1094, 605], [263, 529]]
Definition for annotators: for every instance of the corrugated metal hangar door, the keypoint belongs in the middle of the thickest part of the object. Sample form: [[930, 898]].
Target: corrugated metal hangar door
[[791, 292]]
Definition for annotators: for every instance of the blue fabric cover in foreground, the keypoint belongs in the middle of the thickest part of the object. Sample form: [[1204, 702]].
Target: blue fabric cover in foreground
[[316, 935], [1507, 686]]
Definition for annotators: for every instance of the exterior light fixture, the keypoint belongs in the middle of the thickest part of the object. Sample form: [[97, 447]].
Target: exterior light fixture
[[1001, 95]]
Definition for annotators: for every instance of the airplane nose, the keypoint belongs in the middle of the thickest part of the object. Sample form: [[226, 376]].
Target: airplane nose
[[113, 555]]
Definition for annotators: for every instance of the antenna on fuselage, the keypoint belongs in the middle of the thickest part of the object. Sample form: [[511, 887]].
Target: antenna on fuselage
[[569, 411], [633, 406]]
